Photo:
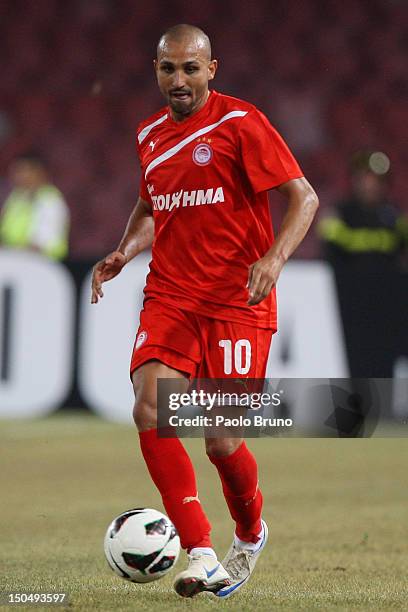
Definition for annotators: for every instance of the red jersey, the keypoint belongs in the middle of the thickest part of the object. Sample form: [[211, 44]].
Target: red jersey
[[206, 179]]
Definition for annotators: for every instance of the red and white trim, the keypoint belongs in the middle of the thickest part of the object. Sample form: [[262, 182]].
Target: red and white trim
[[146, 130], [173, 150]]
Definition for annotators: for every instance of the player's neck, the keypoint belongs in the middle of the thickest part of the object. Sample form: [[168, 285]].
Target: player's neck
[[179, 118]]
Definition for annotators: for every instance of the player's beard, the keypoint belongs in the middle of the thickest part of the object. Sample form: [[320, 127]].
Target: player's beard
[[195, 100], [182, 107]]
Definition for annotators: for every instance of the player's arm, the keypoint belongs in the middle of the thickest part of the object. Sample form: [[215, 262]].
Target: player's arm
[[302, 206], [137, 237]]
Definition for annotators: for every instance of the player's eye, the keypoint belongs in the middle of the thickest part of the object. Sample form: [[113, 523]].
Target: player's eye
[[167, 69], [191, 69]]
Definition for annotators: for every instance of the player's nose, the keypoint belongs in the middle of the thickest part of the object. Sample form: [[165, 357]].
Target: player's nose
[[179, 79]]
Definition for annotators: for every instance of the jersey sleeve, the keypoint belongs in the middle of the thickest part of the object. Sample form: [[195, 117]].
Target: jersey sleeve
[[266, 157], [143, 190]]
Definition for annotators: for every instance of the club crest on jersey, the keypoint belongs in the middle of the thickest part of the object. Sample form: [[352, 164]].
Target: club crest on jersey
[[202, 153], [141, 339]]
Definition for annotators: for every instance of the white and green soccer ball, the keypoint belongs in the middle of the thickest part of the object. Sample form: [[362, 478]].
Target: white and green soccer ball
[[141, 545]]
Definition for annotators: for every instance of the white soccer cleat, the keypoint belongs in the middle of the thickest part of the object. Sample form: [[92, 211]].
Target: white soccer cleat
[[204, 573], [240, 563]]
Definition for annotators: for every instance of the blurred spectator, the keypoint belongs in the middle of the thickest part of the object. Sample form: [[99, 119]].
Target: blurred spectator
[[365, 229], [35, 214], [365, 240]]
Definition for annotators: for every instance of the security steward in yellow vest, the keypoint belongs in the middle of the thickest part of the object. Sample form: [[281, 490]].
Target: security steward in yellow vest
[[35, 215], [365, 242], [365, 228]]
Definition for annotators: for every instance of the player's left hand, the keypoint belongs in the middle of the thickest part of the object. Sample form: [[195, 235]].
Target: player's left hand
[[262, 277]]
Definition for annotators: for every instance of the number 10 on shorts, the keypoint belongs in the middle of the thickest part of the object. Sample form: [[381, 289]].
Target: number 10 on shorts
[[240, 352]]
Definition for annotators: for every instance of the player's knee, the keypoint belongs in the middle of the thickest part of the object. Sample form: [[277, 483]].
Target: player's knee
[[221, 447], [145, 415]]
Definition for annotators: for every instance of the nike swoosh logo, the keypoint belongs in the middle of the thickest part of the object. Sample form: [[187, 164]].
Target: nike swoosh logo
[[224, 592], [211, 572]]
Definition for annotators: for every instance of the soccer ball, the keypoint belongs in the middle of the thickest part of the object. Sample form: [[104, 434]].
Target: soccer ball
[[141, 545]]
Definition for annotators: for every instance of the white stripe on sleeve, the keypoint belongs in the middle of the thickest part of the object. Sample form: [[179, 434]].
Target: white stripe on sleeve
[[146, 131]]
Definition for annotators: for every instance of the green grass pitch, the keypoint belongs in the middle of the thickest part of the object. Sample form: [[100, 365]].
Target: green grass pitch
[[336, 509]]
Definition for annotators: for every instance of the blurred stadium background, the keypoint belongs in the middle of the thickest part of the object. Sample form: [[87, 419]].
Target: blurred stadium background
[[76, 79]]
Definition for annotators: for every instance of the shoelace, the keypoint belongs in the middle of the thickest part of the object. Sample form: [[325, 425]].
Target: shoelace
[[241, 561]]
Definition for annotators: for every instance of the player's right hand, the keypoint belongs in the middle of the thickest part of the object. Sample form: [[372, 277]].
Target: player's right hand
[[105, 270]]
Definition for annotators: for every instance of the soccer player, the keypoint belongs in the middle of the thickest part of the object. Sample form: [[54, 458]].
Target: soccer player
[[207, 163]]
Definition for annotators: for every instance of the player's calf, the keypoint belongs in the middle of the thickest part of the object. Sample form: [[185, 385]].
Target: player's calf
[[145, 415]]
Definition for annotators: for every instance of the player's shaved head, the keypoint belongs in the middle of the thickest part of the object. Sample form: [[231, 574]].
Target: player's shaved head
[[183, 68], [188, 34]]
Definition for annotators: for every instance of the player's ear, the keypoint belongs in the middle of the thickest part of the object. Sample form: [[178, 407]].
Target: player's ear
[[212, 69]]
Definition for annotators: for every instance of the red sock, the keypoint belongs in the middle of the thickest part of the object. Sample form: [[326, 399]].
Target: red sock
[[239, 477], [173, 474]]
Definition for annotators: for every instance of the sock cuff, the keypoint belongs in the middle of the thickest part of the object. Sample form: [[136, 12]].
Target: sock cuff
[[150, 434], [150, 440], [230, 460], [166, 433]]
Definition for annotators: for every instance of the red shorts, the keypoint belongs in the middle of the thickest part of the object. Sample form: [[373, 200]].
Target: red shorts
[[199, 346]]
